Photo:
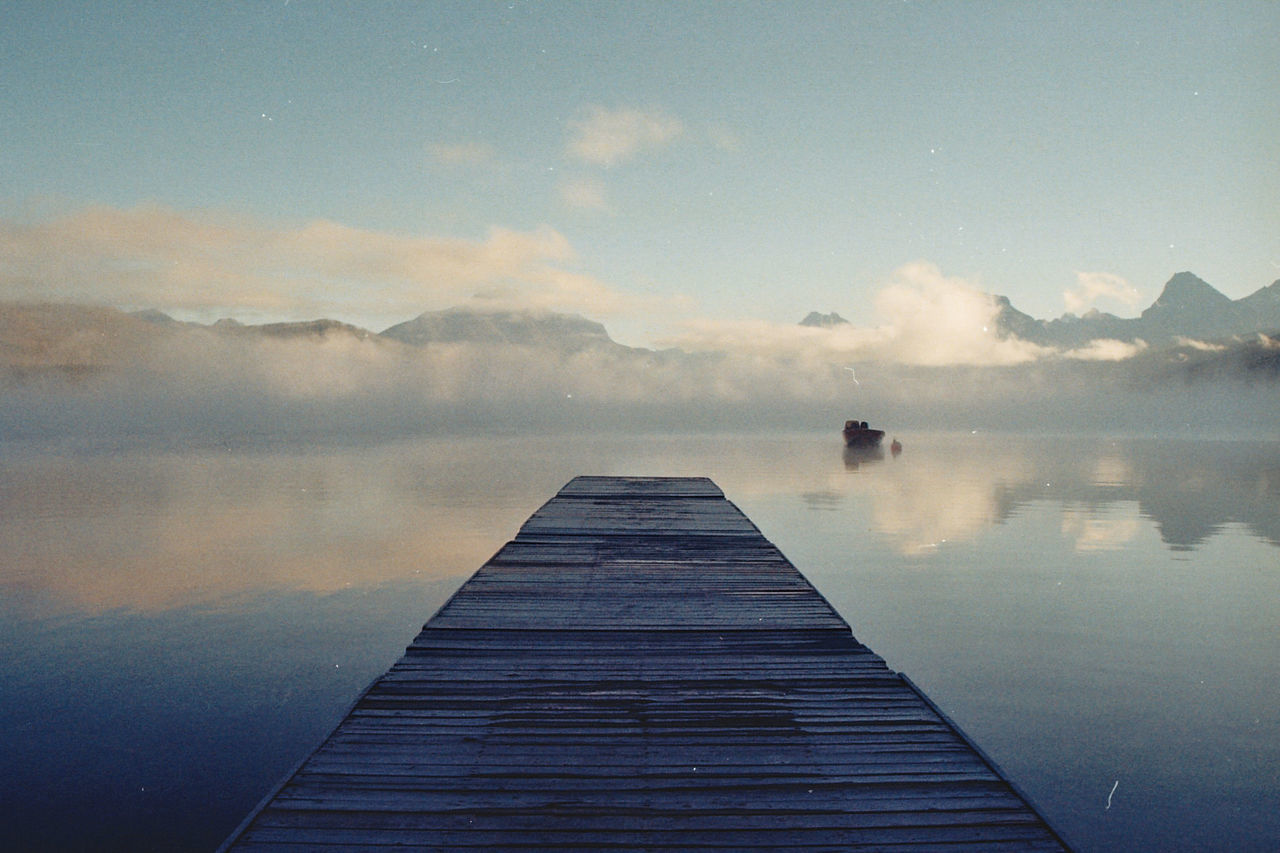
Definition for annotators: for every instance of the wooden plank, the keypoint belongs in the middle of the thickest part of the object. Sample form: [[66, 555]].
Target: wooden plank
[[640, 669]]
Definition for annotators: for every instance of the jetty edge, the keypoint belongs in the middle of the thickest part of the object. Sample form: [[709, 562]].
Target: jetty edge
[[641, 669]]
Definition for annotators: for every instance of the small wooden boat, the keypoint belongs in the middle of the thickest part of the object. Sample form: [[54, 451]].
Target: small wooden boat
[[858, 434]]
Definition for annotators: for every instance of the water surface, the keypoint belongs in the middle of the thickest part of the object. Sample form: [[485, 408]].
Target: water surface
[[181, 626]]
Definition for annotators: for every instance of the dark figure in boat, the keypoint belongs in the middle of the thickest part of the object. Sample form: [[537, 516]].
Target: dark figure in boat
[[858, 434]]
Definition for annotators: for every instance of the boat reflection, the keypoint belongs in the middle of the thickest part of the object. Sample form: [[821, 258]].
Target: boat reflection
[[856, 455]]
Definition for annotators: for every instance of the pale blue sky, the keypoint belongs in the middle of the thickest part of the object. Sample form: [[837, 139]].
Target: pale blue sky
[[748, 161]]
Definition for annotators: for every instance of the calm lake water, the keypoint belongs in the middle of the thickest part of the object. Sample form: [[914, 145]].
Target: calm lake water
[[180, 627]]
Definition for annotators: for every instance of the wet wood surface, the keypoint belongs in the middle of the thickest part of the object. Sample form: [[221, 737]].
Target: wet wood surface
[[640, 669]]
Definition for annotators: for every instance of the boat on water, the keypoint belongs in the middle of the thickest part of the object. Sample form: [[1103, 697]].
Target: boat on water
[[858, 434]]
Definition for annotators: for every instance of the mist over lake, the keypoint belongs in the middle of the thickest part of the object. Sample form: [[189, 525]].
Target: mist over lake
[[952, 360], [185, 623]]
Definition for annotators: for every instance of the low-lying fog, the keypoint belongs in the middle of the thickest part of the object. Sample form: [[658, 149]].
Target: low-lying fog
[[191, 381]]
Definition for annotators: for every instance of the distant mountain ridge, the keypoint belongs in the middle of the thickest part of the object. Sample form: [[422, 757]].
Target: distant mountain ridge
[[71, 369], [823, 321], [460, 325], [1188, 307], [565, 332], [1236, 335]]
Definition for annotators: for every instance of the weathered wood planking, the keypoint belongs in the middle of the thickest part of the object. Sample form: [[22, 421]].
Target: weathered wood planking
[[640, 669]]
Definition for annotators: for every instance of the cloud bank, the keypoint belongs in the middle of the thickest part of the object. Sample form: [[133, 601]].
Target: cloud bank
[[604, 137], [1092, 286], [934, 356], [157, 257], [105, 376], [924, 318]]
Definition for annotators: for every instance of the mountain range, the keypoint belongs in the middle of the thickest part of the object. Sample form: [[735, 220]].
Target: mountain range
[[66, 338], [565, 332], [102, 373], [1187, 308]]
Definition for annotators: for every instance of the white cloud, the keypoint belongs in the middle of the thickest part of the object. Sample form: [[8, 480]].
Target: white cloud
[[1105, 349], [926, 319], [934, 319], [1202, 346], [158, 257], [1092, 286], [608, 137]]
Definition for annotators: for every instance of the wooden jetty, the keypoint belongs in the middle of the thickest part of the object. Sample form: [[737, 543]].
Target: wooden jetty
[[640, 669]]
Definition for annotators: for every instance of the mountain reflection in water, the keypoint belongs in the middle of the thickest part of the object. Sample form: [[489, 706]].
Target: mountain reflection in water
[[955, 486], [183, 625]]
